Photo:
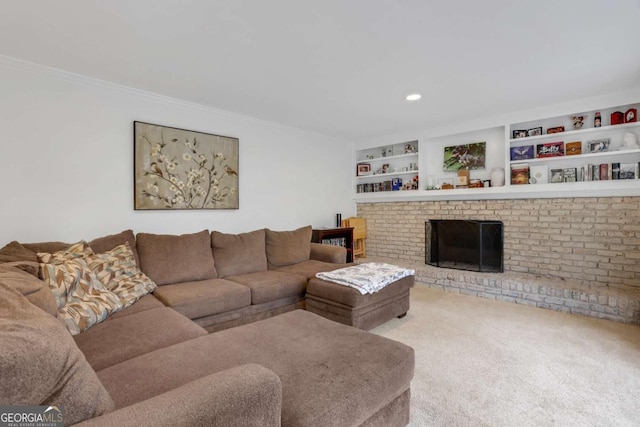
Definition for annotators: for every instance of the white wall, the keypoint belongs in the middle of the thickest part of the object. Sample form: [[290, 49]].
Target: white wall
[[66, 162]]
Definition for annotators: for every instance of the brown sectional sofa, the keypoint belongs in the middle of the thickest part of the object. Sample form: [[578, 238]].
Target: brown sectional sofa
[[156, 362]]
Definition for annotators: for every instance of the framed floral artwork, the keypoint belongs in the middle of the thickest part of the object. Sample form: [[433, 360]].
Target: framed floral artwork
[[183, 169]]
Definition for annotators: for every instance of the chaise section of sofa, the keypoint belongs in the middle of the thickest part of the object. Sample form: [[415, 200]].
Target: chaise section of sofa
[[331, 374]]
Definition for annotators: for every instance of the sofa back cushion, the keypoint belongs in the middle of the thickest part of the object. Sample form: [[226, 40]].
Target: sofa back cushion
[[41, 365], [33, 289], [169, 259], [236, 254], [106, 243], [288, 247]]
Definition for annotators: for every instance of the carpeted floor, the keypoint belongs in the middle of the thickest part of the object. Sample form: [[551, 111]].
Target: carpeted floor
[[488, 363]]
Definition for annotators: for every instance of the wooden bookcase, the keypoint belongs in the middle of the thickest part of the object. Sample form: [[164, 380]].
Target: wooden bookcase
[[342, 236]]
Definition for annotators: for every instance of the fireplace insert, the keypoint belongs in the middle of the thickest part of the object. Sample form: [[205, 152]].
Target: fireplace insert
[[464, 244]]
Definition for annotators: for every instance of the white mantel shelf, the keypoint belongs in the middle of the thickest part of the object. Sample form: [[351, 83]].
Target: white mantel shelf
[[621, 188]]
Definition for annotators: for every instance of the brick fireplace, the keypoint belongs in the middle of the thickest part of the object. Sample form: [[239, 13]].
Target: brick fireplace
[[585, 252]]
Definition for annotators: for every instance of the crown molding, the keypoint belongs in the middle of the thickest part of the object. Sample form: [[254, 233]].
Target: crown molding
[[80, 79]]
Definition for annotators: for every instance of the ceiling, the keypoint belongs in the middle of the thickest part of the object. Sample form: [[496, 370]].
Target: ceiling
[[340, 67]]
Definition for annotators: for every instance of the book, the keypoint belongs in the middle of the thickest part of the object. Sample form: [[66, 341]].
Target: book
[[557, 175], [615, 170], [569, 175], [573, 148], [550, 149], [522, 153], [538, 174], [520, 174], [604, 171], [627, 171]]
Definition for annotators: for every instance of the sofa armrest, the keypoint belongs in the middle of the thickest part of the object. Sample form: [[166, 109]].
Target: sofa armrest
[[328, 253], [246, 395]]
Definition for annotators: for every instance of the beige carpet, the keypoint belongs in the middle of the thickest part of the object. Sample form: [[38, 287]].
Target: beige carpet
[[488, 363]]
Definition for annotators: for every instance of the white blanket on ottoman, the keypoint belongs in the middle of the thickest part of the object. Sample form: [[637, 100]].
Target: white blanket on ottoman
[[367, 278]]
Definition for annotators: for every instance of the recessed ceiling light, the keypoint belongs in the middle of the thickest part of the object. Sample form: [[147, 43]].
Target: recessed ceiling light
[[414, 97]]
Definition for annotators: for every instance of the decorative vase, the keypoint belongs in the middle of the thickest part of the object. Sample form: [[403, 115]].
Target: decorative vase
[[497, 177]]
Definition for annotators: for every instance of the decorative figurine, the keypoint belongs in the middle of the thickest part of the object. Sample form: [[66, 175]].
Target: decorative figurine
[[597, 121], [578, 121]]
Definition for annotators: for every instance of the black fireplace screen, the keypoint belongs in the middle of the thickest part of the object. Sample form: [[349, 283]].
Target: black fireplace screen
[[464, 244]]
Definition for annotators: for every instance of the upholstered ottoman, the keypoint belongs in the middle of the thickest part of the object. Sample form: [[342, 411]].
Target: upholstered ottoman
[[348, 306]]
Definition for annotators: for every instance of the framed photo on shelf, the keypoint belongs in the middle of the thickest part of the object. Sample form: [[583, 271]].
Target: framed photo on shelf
[[519, 133], [535, 131], [556, 129], [465, 156], [557, 175], [364, 169], [550, 149], [598, 145], [522, 153]]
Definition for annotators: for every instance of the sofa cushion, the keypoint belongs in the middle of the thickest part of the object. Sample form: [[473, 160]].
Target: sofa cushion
[[147, 302], [35, 290], [288, 247], [271, 285], [82, 299], [332, 374], [15, 251], [236, 254], [204, 297], [117, 271], [169, 259], [126, 337], [41, 365], [49, 247], [311, 267], [106, 243]]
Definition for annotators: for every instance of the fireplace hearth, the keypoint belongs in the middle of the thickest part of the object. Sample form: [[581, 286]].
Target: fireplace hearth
[[464, 244]]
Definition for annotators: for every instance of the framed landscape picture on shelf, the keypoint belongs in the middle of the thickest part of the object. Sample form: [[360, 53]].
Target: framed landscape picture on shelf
[[465, 156]]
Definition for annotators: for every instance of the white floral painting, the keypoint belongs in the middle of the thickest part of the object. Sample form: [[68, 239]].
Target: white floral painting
[[182, 169]]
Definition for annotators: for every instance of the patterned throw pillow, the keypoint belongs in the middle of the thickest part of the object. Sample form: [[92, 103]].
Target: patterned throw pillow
[[59, 272], [85, 301], [117, 271]]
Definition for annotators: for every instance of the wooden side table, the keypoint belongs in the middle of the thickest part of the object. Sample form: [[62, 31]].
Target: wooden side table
[[342, 236]]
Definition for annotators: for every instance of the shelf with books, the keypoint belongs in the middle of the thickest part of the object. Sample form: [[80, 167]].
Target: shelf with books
[[392, 167], [591, 146]]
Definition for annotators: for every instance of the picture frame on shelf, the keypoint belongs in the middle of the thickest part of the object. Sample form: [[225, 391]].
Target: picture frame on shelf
[[363, 169], [535, 131], [385, 168], [523, 152], [550, 149], [519, 133], [573, 148], [464, 156], [631, 115], [598, 145], [617, 118], [557, 175], [556, 129], [569, 175]]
